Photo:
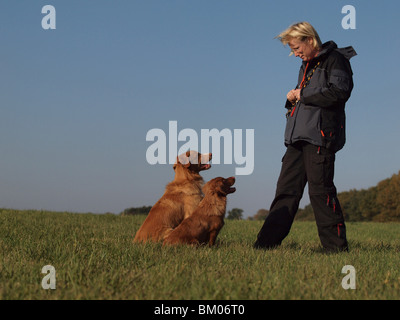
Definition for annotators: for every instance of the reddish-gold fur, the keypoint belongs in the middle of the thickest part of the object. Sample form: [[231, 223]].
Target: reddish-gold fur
[[180, 199], [207, 220]]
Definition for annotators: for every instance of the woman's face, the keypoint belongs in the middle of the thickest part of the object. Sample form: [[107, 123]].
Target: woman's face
[[303, 49]]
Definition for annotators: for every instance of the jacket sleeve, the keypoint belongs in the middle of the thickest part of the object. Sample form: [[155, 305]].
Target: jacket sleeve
[[338, 88]]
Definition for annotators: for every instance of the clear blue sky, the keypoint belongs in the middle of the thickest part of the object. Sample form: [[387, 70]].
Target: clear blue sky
[[76, 102]]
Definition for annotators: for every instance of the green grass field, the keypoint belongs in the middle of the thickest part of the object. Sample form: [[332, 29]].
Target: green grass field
[[94, 258]]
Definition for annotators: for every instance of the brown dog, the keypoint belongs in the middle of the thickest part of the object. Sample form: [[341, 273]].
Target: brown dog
[[180, 199], [207, 220]]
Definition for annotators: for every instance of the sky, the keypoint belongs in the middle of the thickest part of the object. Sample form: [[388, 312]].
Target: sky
[[77, 101]]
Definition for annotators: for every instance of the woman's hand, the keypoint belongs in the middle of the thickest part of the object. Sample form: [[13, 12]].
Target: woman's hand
[[293, 95]]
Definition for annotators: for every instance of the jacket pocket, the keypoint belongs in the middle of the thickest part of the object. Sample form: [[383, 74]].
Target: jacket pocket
[[320, 177], [290, 122], [334, 138], [307, 125]]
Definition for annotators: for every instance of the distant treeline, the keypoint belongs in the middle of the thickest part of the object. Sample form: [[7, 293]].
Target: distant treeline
[[380, 203], [132, 211]]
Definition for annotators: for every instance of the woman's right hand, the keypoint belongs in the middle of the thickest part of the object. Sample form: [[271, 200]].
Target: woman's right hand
[[293, 95], [290, 96]]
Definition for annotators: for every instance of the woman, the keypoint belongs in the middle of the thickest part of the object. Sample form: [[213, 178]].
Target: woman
[[315, 131]]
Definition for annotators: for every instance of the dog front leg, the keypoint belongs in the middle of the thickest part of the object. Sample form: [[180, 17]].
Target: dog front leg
[[212, 237]]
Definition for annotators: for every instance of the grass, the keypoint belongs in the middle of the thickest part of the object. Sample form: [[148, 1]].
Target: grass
[[95, 258]]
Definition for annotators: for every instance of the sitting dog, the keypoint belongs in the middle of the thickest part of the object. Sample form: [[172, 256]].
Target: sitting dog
[[207, 220], [180, 199]]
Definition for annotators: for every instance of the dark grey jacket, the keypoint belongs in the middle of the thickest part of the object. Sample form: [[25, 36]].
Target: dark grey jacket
[[319, 116]]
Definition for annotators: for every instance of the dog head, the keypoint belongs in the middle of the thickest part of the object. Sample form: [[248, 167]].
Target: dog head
[[220, 185], [193, 161]]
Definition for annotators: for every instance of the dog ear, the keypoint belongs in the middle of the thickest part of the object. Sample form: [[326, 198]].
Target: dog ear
[[184, 162], [187, 165]]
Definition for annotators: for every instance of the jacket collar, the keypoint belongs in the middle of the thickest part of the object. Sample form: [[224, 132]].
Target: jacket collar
[[326, 48]]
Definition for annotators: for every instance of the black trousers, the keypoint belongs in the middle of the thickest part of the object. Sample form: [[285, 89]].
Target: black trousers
[[305, 163]]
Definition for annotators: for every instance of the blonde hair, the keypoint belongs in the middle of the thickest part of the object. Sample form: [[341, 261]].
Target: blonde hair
[[300, 31]]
